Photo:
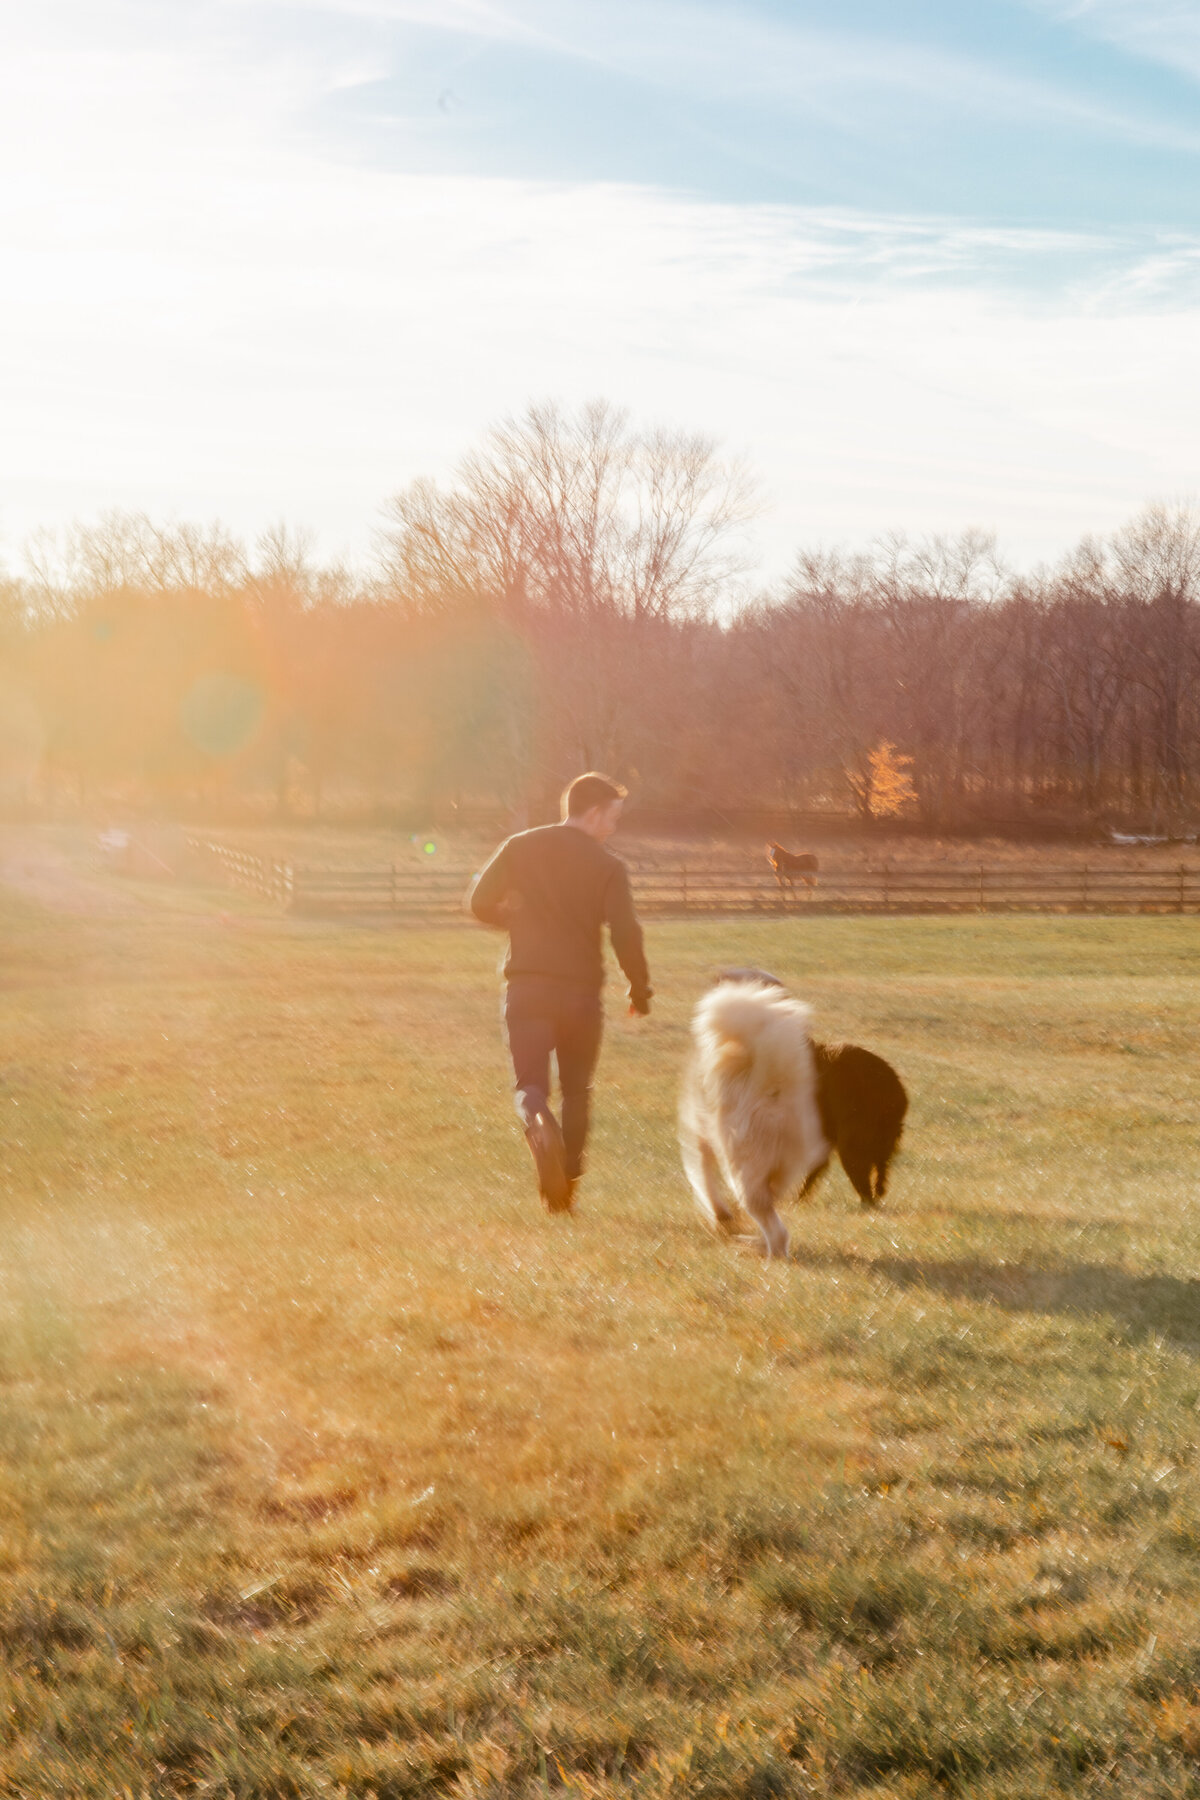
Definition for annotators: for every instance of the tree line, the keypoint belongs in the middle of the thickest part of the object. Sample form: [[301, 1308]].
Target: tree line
[[577, 596]]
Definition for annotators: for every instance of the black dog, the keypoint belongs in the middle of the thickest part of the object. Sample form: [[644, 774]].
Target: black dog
[[862, 1103]]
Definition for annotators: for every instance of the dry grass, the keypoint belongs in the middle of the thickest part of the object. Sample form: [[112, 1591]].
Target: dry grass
[[333, 1467]]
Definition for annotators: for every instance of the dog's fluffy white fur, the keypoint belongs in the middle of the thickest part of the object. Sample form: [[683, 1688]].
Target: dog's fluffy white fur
[[748, 1115]]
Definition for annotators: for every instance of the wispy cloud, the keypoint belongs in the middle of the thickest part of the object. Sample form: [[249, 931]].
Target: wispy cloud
[[1161, 31], [475, 18], [730, 52]]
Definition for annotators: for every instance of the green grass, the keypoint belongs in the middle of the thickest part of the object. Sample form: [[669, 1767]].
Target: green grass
[[330, 1466]]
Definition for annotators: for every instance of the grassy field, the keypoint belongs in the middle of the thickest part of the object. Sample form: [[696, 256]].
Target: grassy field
[[331, 1467]]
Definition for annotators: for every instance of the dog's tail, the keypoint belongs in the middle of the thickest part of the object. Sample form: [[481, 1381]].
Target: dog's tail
[[747, 1025]]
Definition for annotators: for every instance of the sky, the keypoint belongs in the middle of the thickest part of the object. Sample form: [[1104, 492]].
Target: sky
[[924, 267]]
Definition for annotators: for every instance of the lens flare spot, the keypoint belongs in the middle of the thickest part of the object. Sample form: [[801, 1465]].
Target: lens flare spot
[[220, 713]]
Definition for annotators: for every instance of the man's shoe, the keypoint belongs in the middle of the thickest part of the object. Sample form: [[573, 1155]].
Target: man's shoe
[[545, 1142]]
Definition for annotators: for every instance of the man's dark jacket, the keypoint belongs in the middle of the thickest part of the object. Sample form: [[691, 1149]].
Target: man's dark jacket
[[552, 889]]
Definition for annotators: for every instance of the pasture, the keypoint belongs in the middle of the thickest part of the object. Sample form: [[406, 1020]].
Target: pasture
[[331, 1467]]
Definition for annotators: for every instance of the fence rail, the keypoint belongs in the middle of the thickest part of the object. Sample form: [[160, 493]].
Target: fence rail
[[268, 876], [684, 891], [913, 888]]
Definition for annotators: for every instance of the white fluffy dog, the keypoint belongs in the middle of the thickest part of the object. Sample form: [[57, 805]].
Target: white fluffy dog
[[749, 1109]]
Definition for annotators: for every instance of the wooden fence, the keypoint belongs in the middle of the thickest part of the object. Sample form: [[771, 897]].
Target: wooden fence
[[422, 893], [266, 876], [924, 888]]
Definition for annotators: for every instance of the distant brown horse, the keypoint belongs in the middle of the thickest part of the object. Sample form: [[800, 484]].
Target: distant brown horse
[[785, 866]]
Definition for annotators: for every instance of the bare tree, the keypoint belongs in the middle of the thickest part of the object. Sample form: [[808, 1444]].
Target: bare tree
[[1084, 662], [928, 596], [127, 551], [820, 654], [573, 516], [1158, 561]]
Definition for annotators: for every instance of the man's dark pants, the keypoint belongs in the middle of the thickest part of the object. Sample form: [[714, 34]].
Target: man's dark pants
[[542, 1015]]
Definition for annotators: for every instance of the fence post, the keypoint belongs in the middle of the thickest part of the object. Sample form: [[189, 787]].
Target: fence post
[[981, 887], [1182, 873], [683, 872], [393, 887], [1085, 887], [887, 889]]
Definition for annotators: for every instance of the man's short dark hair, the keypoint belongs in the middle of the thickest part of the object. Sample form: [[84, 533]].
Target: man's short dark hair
[[590, 790]]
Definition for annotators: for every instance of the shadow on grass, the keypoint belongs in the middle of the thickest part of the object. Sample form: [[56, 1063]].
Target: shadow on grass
[[1166, 1306], [1007, 1215]]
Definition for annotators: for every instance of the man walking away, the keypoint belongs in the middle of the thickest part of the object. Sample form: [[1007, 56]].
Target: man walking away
[[553, 889]]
